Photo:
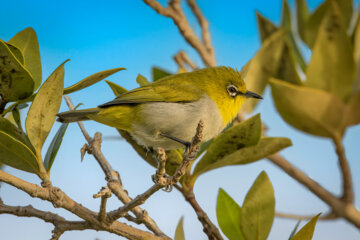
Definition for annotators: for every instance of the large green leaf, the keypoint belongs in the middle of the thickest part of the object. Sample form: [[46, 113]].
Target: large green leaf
[[15, 81], [90, 80], [15, 153], [352, 116], [306, 232], [54, 146], [332, 65], [316, 18], [117, 89], [159, 73], [266, 147], [246, 133], [258, 210], [43, 110], [9, 128], [179, 232], [263, 66], [266, 27], [310, 110], [302, 15], [16, 115], [17, 53], [228, 214], [27, 42], [313, 23], [287, 70], [141, 80], [285, 16]]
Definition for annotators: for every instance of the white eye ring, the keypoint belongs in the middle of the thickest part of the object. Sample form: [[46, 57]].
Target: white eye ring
[[232, 90]]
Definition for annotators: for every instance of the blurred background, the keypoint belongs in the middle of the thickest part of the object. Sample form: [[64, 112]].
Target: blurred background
[[100, 35]]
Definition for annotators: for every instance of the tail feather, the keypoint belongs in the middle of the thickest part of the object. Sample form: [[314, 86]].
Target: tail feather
[[74, 116]]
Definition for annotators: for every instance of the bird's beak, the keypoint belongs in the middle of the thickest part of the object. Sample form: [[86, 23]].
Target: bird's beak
[[249, 94]]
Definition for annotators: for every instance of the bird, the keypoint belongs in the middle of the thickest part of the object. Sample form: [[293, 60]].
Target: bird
[[165, 113]]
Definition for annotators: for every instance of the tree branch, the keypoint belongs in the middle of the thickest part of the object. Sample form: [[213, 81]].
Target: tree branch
[[209, 228], [160, 178], [203, 24], [113, 178], [339, 207], [348, 194], [175, 12], [329, 216], [60, 200]]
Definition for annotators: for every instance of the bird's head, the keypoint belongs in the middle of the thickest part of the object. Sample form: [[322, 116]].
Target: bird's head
[[227, 88]]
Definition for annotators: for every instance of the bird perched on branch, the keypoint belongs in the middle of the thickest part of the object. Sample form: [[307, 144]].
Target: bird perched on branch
[[166, 112]]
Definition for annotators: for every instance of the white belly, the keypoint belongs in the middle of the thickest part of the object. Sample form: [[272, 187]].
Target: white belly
[[177, 120]]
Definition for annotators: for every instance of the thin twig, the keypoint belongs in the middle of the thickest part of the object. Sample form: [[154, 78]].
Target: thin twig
[[175, 12], [182, 60], [203, 24], [329, 216], [209, 228], [348, 194], [104, 193]]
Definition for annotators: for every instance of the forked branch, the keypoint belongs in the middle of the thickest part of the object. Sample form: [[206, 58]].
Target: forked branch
[[175, 12]]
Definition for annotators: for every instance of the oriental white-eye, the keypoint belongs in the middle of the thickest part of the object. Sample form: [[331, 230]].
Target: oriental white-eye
[[171, 108]]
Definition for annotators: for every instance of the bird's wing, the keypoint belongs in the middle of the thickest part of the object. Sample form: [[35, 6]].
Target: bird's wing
[[160, 91]]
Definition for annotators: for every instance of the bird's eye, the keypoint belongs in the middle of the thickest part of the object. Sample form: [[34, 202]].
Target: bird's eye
[[232, 90]]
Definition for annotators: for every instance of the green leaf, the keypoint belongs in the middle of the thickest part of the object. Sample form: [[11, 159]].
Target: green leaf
[[246, 133], [266, 27], [310, 110], [285, 16], [179, 232], [16, 154], [287, 70], [266, 147], [54, 147], [15, 81], [16, 115], [43, 110], [141, 80], [306, 233], [315, 20], [352, 116], [27, 42], [302, 16], [117, 90], [159, 73], [9, 128], [17, 53], [263, 66], [325, 70], [258, 210], [346, 8], [228, 214], [313, 23], [90, 80]]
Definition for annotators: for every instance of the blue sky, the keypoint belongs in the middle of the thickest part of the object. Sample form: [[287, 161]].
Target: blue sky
[[99, 35]]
